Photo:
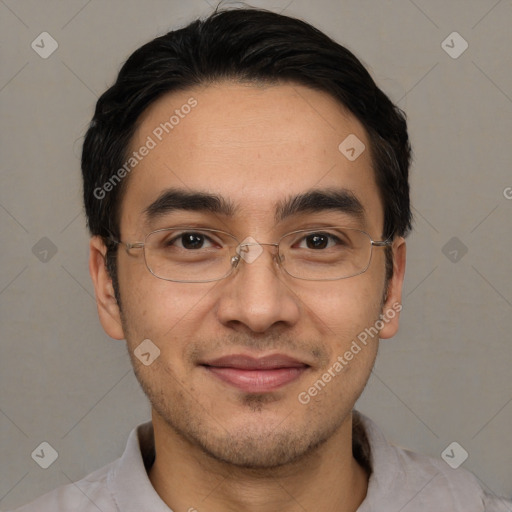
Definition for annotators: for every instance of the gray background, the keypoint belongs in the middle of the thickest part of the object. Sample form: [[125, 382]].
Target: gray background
[[445, 377]]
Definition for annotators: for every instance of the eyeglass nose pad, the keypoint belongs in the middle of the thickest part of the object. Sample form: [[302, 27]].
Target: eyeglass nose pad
[[249, 250], [235, 260], [244, 253]]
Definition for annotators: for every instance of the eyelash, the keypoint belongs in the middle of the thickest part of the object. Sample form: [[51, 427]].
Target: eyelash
[[179, 237]]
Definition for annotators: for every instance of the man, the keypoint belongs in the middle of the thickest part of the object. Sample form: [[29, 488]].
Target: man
[[246, 188]]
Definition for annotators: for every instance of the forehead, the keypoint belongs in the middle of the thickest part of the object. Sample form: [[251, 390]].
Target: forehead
[[253, 145]]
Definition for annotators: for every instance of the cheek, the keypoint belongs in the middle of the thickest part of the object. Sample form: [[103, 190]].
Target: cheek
[[341, 309], [351, 343], [162, 311]]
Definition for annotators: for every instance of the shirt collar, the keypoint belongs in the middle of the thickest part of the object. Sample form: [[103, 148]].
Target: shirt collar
[[132, 490], [128, 479]]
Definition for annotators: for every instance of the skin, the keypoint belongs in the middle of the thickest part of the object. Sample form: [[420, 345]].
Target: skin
[[218, 448]]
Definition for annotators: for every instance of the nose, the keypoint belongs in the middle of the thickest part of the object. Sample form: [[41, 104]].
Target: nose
[[257, 296]]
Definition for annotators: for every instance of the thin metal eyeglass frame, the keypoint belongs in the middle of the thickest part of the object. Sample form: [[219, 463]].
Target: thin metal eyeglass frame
[[235, 260]]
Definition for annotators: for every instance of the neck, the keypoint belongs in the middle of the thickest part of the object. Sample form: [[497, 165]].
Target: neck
[[187, 479]]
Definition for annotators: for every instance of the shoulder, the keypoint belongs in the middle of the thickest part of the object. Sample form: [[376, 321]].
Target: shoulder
[[120, 485], [433, 483], [408, 481], [429, 482], [87, 495]]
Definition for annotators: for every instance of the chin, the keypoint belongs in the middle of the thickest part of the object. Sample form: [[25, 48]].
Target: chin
[[262, 451], [259, 442]]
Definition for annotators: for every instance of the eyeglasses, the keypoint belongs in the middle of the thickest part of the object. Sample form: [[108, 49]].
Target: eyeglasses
[[187, 254]]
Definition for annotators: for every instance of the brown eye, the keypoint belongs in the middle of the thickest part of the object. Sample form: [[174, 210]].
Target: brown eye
[[317, 241], [192, 240]]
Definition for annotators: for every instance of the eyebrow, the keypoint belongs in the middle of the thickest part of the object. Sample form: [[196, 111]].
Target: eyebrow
[[320, 200], [176, 199], [311, 201]]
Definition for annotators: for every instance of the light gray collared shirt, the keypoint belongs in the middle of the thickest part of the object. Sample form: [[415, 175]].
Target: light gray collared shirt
[[400, 481]]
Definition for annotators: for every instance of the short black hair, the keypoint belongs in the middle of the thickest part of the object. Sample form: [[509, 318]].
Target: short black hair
[[245, 45]]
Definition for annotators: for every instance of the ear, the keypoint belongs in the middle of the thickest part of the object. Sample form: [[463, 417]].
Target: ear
[[108, 309], [393, 303]]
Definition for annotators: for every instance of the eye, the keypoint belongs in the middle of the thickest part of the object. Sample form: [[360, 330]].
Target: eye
[[190, 241], [318, 241]]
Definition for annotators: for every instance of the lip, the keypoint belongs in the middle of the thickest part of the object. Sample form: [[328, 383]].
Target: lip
[[256, 375]]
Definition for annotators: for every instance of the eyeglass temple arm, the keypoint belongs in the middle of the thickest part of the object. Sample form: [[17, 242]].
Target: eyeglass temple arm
[[382, 243], [127, 245], [135, 245]]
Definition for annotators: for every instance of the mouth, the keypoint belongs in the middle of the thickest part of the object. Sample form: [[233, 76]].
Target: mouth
[[256, 375]]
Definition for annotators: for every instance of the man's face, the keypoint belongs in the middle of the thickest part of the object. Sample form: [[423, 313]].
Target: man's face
[[256, 147]]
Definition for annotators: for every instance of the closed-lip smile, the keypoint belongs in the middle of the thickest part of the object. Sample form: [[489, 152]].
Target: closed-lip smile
[[256, 374]]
